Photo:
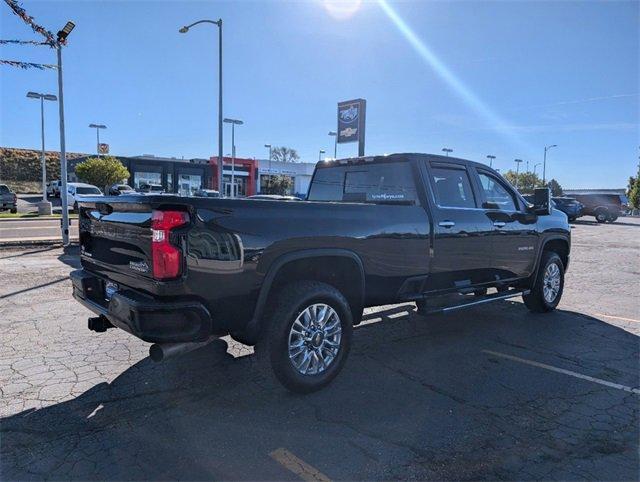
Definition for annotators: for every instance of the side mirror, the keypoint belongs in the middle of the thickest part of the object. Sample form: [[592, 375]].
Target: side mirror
[[542, 201]]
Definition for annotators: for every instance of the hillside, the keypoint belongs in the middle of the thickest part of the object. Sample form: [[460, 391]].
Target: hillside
[[21, 169]]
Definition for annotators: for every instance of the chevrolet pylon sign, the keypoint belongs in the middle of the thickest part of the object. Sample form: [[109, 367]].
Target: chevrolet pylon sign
[[351, 122]]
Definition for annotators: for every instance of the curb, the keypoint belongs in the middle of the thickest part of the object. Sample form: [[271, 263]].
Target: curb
[[26, 243]]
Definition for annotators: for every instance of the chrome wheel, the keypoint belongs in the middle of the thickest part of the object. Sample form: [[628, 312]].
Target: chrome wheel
[[551, 283], [314, 339]]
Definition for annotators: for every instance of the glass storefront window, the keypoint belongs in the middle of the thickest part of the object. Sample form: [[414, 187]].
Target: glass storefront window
[[141, 177], [188, 184]]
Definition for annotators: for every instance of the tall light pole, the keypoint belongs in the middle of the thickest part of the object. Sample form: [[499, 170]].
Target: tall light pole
[[97, 127], [234, 123], [46, 206], [185, 29], [320, 154], [446, 150], [270, 156], [517, 161], [335, 143], [544, 164], [61, 40], [491, 158]]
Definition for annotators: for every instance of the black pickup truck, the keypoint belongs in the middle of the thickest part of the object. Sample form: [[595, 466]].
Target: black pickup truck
[[293, 277]]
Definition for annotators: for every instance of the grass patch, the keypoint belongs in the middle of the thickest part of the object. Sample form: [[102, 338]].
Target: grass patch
[[33, 215]]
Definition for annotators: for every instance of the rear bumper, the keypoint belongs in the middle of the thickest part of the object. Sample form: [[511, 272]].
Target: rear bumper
[[150, 319]]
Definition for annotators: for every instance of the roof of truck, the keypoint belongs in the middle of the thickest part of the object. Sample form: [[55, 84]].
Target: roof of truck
[[399, 155]]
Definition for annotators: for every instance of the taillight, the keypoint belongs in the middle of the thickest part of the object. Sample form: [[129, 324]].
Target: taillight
[[167, 258]]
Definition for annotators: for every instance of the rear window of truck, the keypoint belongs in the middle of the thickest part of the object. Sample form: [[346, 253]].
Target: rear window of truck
[[378, 183]]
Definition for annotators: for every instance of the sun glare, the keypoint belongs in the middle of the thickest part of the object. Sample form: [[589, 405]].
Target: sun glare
[[491, 118], [341, 9]]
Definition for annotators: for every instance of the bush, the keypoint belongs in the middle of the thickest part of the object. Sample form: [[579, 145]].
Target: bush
[[102, 171]]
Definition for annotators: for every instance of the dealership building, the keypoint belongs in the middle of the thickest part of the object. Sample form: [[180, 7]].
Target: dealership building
[[185, 176]]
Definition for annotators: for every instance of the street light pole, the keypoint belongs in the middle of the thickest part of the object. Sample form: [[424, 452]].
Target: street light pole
[[544, 164], [517, 161], [233, 123], [62, 36], [185, 29], [446, 150], [46, 207], [335, 144], [97, 127], [269, 177], [320, 154], [491, 158]]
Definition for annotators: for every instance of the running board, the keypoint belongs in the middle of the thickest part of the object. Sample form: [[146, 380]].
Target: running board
[[483, 300]]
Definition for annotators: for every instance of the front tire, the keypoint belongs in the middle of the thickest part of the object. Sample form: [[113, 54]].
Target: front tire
[[308, 336], [601, 215], [547, 289]]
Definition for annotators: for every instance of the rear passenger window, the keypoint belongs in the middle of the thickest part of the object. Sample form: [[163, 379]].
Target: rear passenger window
[[383, 183], [452, 188], [496, 193]]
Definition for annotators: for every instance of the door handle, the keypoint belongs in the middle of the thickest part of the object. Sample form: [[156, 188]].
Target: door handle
[[446, 224], [499, 224]]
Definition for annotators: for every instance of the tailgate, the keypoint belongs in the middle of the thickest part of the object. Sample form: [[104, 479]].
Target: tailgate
[[116, 234]]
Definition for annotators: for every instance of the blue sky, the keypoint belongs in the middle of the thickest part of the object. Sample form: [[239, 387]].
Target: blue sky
[[501, 78]]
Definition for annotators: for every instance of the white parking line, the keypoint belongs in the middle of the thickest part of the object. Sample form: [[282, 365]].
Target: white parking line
[[563, 371], [617, 317], [298, 466]]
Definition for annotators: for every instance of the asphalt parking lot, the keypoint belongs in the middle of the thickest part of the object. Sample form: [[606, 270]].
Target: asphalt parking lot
[[490, 393]]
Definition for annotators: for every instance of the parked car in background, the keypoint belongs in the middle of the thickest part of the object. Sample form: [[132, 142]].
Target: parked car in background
[[121, 189], [570, 206], [605, 207], [53, 188], [8, 199], [151, 189], [206, 193], [76, 191]]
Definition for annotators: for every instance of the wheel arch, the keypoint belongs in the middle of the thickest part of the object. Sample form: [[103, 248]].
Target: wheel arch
[[557, 244], [316, 264]]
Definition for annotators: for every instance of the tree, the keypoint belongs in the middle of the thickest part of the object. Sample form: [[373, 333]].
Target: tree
[[102, 171], [284, 154], [633, 191], [280, 185], [556, 188], [527, 181]]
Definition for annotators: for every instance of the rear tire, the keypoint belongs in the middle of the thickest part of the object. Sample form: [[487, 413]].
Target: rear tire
[[601, 215], [612, 219], [549, 284], [308, 336]]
